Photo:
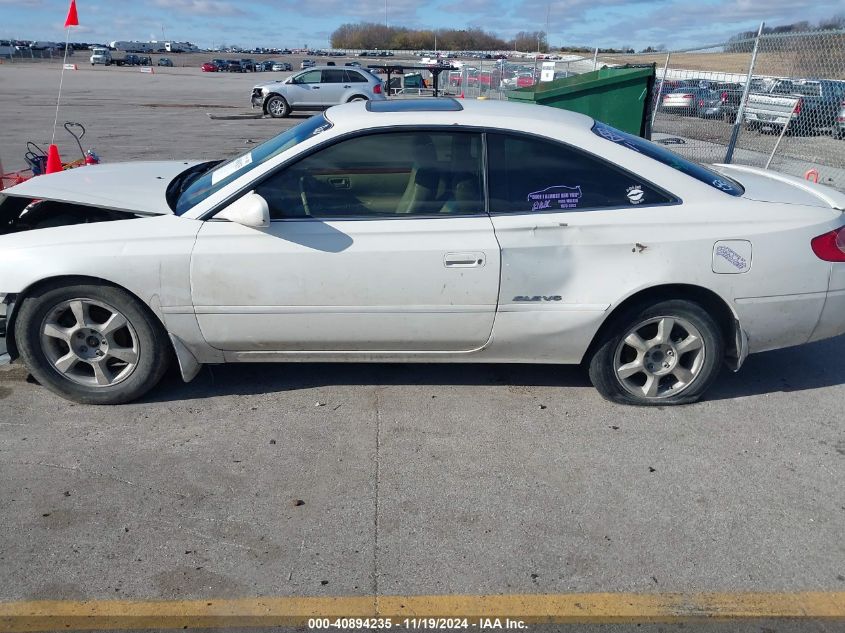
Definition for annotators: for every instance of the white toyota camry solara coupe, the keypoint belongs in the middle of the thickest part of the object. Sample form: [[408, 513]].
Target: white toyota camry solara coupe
[[420, 231]]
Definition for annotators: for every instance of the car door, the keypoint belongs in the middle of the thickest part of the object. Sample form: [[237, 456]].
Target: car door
[[559, 215], [333, 86], [304, 90], [377, 243]]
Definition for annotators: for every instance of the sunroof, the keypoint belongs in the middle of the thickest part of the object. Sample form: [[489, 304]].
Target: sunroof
[[415, 105]]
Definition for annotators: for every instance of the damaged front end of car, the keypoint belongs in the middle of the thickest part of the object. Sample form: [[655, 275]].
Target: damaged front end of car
[[19, 214]]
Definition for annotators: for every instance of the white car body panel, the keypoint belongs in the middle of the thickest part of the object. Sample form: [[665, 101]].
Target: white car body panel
[[374, 290], [400, 284]]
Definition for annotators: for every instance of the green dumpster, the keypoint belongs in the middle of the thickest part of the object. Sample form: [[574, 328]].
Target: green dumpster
[[617, 96]]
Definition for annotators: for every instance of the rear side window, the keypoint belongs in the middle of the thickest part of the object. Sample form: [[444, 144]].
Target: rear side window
[[534, 175], [332, 76], [353, 77], [669, 158]]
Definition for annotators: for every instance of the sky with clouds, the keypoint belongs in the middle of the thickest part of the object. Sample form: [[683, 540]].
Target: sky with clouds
[[295, 23]]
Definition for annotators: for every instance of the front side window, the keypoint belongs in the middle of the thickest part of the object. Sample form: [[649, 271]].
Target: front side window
[[535, 175], [395, 174], [311, 77], [669, 158]]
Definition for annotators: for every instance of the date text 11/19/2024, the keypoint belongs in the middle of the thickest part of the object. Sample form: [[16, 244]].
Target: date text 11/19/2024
[[481, 624]]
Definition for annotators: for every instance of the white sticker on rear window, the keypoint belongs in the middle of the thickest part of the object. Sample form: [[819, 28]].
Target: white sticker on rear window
[[230, 168], [557, 197]]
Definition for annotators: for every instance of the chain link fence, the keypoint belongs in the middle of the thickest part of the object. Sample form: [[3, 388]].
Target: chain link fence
[[775, 101]]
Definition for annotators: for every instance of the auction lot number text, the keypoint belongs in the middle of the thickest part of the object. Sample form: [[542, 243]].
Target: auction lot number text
[[481, 624]]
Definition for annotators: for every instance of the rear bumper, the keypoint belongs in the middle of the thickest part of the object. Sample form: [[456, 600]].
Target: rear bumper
[[832, 319], [768, 119]]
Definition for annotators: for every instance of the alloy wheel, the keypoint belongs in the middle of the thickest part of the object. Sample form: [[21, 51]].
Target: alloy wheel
[[90, 342], [659, 358]]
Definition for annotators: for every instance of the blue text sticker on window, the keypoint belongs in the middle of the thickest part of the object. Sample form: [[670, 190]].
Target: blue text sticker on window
[[557, 197]]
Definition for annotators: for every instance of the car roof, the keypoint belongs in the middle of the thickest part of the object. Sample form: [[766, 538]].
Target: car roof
[[325, 67], [476, 113]]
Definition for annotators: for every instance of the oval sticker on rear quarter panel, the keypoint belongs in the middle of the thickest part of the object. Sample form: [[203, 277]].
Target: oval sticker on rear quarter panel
[[731, 257]]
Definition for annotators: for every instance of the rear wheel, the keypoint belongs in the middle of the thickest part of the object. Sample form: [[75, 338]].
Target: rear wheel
[[93, 344], [357, 98], [667, 353], [277, 107]]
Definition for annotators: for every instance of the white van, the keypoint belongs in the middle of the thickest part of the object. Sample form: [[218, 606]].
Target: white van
[[100, 56]]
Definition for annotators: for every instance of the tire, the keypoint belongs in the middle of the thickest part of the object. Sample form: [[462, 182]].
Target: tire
[[57, 331], [277, 107], [659, 367]]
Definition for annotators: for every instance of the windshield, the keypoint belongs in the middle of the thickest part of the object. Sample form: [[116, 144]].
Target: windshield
[[669, 158], [196, 189]]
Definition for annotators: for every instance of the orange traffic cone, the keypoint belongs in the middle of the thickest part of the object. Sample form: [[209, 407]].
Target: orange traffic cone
[[54, 161]]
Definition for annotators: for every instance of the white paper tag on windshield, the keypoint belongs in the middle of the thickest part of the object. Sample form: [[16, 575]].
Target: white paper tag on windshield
[[227, 170]]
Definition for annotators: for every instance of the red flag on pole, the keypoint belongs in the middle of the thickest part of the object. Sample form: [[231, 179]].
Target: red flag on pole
[[72, 17]]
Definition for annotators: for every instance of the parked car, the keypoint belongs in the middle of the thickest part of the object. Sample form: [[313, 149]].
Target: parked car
[[700, 102], [839, 130], [307, 63], [233, 66], [209, 67], [805, 106], [220, 63], [145, 60], [282, 66], [265, 65], [248, 65], [165, 61], [393, 231], [355, 64], [316, 88]]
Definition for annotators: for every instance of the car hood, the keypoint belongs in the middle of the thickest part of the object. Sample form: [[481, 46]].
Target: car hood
[[269, 84], [770, 186], [139, 187]]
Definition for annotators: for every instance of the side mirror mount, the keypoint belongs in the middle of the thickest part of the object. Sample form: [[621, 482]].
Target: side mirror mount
[[249, 210]]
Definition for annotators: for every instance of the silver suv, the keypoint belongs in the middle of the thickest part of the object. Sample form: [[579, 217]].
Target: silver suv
[[316, 89]]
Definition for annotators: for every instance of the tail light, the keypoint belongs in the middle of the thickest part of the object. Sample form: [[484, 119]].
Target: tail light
[[377, 89], [798, 106], [724, 97], [831, 246], [701, 103]]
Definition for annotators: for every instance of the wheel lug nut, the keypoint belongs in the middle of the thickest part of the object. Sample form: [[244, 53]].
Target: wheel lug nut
[[99, 353], [666, 365]]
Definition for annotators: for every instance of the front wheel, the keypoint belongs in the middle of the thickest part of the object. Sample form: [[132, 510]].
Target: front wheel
[[665, 354], [277, 107], [93, 344]]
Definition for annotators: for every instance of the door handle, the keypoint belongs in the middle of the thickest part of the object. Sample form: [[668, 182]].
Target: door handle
[[315, 87], [347, 86], [464, 260], [339, 183]]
